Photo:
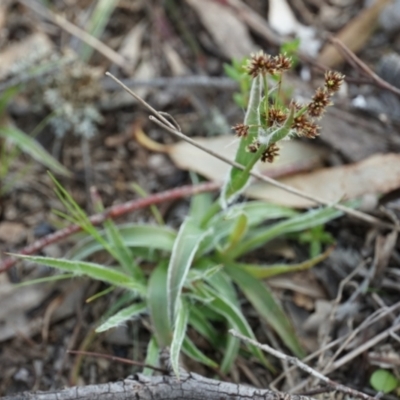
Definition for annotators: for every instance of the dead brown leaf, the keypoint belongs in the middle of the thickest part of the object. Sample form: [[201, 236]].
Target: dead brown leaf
[[32, 49], [12, 232], [376, 174], [294, 156], [228, 31], [355, 34]]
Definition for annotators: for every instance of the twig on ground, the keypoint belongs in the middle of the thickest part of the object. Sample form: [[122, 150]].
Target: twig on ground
[[198, 81], [113, 212], [373, 318], [364, 347], [107, 51], [295, 361], [160, 120], [351, 57], [119, 359]]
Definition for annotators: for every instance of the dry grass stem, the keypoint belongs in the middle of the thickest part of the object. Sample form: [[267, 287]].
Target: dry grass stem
[[295, 361], [160, 120], [90, 40]]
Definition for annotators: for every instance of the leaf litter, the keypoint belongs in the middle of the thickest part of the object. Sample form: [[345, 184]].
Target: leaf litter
[[116, 167]]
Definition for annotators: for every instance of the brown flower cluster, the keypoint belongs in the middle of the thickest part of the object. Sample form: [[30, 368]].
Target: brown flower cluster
[[262, 64], [306, 116], [241, 130], [269, 154]]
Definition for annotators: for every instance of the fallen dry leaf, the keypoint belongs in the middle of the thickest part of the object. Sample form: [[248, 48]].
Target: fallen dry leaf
[[377, 174], [228, 31], [294, 156], [22, 54], [12, 232], [131, 46], [355, 34]]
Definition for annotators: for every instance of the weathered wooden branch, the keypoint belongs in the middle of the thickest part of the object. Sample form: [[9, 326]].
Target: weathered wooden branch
[[189, 387]]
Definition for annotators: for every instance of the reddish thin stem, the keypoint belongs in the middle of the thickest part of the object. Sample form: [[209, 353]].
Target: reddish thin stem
[[112, 212]]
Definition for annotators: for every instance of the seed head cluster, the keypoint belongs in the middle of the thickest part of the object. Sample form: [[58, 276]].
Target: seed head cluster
[[263, 64], [305, 116]]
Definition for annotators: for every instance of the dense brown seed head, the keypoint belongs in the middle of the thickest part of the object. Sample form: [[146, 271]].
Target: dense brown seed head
[[253, 147], [320, 101], [304, 127], [276, 116], [261, 64], [241, 130], [270, 153], [282, 62], [333, 81]]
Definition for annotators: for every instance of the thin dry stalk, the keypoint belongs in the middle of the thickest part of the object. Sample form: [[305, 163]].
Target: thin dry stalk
[[372, 319], [72, 29], [160, 120], [295, 361], [113, 212]]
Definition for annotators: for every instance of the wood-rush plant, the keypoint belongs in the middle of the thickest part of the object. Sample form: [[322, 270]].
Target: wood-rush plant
[[199, 272]]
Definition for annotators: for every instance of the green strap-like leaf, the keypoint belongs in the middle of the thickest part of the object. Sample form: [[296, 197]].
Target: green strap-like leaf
[[185, 247], [34, 149], [178, 336], [132, 235], [237, 178], [92, 270], [263, 301], [157, 302], [190, 349], [152, 356], [234, 316], [122, 316], [295, 224]]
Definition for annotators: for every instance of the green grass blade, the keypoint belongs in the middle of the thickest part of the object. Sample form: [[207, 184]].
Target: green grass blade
[[92, 270], [30, 146], [202, 325], [298, 223], [199, 205], [122, 316], [185, 247], [133, 235], [231, 352], [237, 178], [178, 335], [97, 23], [268, 271], [263, 301], [191, 350], [44, 280], [234, 316], [152, 356], [256, 213], [157, 303], [153, 208], [121, 251]]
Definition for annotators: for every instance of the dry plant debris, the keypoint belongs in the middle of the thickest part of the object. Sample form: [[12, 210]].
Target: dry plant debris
[[345, 311]]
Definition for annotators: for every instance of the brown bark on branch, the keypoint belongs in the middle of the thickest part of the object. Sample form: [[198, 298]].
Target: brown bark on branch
[[190, 387]]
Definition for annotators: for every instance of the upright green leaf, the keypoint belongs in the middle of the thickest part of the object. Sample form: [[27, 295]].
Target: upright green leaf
[[92, 270], [178, 336], [158, 305], [34, 149], [263, 301], [298, 223], [234, 316], [190, 349], [132, 235], [122, 316], [185, 247], [237, 178], [152, 356]]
